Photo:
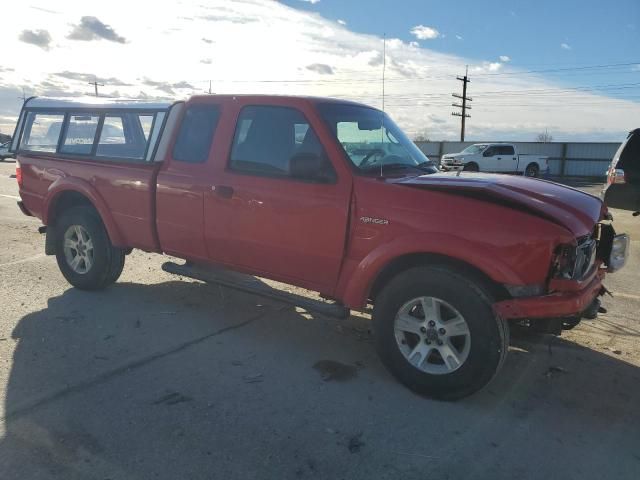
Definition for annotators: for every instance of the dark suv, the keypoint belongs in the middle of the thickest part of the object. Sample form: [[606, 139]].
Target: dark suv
[[622, 189]]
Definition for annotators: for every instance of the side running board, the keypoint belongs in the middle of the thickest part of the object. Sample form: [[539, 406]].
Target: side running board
[[254, 285]]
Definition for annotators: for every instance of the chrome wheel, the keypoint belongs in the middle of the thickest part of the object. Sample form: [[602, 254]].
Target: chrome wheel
[[78, 249], [432, 335], [531, 171]]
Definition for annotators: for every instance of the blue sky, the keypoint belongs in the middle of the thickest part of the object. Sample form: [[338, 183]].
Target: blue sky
[[531, 33]]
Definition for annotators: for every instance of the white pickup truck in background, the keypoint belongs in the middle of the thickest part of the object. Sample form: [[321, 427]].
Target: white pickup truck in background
[[495, 157]]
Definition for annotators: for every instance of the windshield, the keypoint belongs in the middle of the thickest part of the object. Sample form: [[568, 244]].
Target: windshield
[[371, 139], [473, 149]]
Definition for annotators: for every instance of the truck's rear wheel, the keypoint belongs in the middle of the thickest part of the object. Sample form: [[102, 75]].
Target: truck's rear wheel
[[436, 332], [532, 170], [84, 252]]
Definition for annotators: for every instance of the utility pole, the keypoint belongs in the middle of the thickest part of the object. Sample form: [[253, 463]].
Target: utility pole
[[463, 114], [96, 85], [24, 96]]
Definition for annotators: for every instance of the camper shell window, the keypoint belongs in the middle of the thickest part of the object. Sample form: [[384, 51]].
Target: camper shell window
[[98, 134]]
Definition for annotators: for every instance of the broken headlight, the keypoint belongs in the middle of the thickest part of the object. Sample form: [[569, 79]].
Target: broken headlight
[[574, 262]]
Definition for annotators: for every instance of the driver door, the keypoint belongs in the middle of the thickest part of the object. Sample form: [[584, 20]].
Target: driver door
[[278, 226], [489, 162]]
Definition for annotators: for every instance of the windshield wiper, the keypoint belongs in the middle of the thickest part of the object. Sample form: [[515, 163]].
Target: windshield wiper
[[425, 165], [391, 166]]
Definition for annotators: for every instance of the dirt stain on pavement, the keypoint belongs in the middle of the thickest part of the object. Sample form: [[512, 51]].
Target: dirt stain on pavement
[[336, 371]]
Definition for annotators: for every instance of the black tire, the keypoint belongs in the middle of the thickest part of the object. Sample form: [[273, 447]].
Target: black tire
[[471, 167], [532, 170], [117, 264], [489, 335], [107, 260]]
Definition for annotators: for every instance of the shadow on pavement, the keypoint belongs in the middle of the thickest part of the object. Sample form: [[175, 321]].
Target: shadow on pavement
[[185, 380]]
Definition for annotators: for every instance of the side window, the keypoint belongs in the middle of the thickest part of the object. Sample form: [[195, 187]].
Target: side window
[[196, 133], [124, 135], [80, 133], [112, 133], [42, 132], [146, 121], [508, 150], [490, 152], [268, 138]]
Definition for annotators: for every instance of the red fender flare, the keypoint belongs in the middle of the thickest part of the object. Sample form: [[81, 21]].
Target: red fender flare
[[67, 184]]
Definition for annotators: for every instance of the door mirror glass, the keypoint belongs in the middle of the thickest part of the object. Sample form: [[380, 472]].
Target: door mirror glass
[[489, 152]]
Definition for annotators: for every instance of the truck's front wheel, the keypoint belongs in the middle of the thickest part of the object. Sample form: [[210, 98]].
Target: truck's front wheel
[[84, 252], [436, 332]]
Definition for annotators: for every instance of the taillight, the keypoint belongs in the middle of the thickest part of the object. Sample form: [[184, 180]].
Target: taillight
[[618, 176], [19, 174]]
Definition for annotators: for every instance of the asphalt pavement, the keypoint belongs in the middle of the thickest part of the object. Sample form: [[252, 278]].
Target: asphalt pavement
[[159, 377]]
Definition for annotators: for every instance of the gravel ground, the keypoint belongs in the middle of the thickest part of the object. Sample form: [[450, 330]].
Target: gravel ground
[[162, 377]]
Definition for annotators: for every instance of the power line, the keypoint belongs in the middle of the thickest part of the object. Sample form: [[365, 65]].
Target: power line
[[589, 67]]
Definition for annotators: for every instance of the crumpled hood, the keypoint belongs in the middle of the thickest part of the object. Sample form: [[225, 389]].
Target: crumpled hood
[[575, 210]]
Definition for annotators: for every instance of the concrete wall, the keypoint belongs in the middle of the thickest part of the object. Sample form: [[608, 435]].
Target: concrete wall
[[571, 159]]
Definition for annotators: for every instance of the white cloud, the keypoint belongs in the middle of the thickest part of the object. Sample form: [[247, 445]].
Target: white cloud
[[565, 46], [459, 37], [342, 22], [419, 81], [425, 33], [505, 58], [312, 2]]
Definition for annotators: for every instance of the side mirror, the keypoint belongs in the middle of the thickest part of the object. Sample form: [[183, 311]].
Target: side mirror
[[487, 153], [311, 167]]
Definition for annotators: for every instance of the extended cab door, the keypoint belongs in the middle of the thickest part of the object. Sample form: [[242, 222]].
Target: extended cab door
[[183, 180], [286, 204]]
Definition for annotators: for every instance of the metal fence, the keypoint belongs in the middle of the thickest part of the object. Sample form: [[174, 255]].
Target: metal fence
[[566, 159]]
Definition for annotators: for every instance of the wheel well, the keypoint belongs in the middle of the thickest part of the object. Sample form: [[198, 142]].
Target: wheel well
[[405, 262], [65, 201], [535, 164]]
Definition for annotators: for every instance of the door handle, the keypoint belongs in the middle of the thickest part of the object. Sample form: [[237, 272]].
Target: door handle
[[223, 191], [499, 158]]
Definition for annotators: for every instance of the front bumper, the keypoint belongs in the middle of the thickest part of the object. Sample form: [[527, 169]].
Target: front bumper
[[451, 167], [24, 209], [554, 305]]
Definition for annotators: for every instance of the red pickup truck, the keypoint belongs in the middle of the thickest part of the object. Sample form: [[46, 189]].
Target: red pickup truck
[[326, 195]]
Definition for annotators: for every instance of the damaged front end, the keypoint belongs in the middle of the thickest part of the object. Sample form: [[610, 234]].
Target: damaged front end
[[574, 286]]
